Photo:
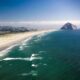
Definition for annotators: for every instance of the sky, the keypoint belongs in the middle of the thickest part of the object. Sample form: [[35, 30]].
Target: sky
[[39, 10]]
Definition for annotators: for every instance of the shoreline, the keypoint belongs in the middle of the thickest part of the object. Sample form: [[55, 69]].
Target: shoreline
[[11, 39]]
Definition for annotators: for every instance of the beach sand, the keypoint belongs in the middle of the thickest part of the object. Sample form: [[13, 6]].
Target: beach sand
[[10, 39]]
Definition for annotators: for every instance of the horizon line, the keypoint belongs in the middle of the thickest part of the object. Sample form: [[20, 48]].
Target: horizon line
[[41, 22]]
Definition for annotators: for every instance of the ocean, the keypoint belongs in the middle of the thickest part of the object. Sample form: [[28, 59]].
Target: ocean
[[50, 56]]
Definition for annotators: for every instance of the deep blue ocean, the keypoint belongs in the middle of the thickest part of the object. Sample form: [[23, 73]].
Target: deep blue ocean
[[49, 56]]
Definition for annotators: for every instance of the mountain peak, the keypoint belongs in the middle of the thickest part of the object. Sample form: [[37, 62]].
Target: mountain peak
[[69, 26]]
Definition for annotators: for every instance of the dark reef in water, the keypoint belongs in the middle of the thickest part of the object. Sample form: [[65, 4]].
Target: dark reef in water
[[69, 26]]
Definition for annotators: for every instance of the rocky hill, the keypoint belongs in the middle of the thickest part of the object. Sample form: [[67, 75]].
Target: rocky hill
[[69, 26]]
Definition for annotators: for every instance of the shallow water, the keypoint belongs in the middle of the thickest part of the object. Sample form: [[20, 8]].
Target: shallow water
[[49, 56]]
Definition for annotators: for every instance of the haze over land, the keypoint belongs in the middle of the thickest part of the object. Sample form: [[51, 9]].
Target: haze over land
[[39, 25]]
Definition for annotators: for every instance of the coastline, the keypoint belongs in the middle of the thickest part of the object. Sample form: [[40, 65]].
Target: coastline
[[11, 39]]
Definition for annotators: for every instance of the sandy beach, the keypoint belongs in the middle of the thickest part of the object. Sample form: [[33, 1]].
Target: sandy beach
[[10, 39]]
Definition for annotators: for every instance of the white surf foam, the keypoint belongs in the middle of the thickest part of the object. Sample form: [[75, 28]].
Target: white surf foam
[[7, 50], [24, 43], [9, 58], [33, 57]]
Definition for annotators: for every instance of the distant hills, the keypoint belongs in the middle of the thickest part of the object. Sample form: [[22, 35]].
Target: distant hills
[[11, 29], [69, 26]]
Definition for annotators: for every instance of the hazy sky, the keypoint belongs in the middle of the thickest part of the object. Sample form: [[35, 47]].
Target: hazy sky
[[39, 10]]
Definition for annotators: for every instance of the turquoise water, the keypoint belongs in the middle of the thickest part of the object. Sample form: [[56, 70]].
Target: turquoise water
[[49, 56]]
